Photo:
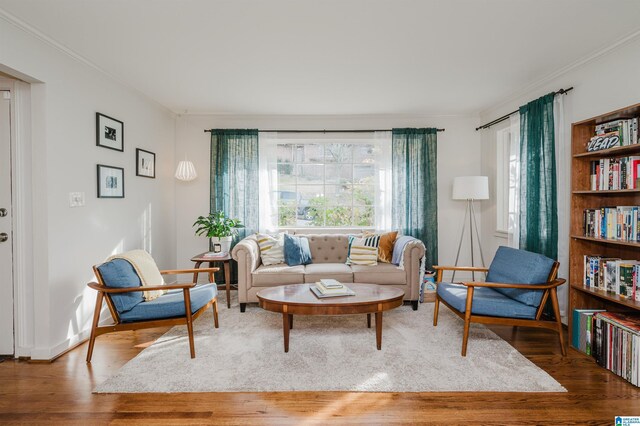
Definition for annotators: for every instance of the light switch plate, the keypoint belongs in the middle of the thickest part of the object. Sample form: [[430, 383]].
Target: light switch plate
[[76, 199]]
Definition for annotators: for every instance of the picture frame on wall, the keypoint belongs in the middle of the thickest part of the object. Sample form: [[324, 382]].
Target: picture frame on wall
[[145, 163], [110, 181], [109, 132]]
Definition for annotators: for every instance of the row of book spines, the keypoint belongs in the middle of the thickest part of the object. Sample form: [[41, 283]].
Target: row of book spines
[[617, 348], [616, 276], [621, 223], [608, 174], [626, 129]]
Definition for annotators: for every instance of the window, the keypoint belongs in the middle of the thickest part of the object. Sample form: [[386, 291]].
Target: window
[[507, 172], [324, 181]]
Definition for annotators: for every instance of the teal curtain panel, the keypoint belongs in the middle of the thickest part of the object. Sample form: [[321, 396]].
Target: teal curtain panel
[[234, 180], [538, 187], [414, 187]]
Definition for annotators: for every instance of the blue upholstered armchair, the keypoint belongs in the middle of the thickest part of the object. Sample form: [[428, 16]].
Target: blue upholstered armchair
[[120, 284], [517, 287]]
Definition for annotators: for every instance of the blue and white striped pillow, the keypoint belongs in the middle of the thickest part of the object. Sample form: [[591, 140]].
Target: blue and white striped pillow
[[363, 251]]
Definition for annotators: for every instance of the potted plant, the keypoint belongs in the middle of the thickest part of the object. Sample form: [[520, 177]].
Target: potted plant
[[219, 228]]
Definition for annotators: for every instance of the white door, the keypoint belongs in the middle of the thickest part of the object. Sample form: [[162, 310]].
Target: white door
[[6, 243]]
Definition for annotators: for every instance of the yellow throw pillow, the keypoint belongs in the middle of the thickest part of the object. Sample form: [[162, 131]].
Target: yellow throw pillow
[[385, 247]]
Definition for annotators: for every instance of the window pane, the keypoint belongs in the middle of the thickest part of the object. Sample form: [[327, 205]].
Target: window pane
[[339, 173], [309, 153], [286, 216], [310, 173], [363, 195], [363, 216], [364, 154], [338, 216], [363, 173], [339, 153], [286, 174], [338, 194], [285, 153]]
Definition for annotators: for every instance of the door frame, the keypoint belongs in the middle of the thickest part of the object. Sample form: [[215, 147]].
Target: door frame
[[22, 224]]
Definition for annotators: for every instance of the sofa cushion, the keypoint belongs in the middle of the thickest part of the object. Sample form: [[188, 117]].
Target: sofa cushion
[[385, 248], [520, 267], [296, 250], [271, 248], [119, 273], [382, 273], [338, 271], [486, 301], [171, 304], [266, 276], [328, 248], [363, 250]]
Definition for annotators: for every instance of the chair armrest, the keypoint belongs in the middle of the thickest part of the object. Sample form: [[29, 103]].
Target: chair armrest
[[544, 286], [187, 271], [461, 268], [112, 290]]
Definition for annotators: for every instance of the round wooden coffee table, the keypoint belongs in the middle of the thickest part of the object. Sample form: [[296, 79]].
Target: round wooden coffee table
[[297, 299]]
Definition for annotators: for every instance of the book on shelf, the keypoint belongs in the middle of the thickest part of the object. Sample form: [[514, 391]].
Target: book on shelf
[[622, 132], [610, 174], [613, 275], [344, 291], [620, 223], [616, 344], [581, 331]]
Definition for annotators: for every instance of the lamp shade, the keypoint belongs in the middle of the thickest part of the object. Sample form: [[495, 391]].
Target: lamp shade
[[186, 171], [470, 188]]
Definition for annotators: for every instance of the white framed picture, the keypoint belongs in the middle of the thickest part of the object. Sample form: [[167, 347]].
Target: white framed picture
[[109, 132], [145, 163], [110, 181]]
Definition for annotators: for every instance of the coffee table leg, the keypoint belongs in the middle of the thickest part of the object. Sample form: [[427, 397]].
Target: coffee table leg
[[286, 328], [379, 330], [368, 320], [290, 321]]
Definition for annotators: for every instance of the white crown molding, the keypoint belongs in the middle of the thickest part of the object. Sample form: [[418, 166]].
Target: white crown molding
[[576, 64], [31, 30]]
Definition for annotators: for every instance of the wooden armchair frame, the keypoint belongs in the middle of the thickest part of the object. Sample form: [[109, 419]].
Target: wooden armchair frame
[[105, 292], [550, 291]]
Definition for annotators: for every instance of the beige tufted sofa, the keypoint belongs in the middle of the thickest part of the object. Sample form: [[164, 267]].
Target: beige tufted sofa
[[328, 253]]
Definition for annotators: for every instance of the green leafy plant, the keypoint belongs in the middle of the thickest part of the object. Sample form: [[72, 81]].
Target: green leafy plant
[[217, 224]]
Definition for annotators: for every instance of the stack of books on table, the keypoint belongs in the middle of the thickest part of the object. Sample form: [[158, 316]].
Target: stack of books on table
[[330, 288], [214, 255]]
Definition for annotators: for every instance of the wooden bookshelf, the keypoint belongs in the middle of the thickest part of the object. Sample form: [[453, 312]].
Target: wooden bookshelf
[[582, 197]]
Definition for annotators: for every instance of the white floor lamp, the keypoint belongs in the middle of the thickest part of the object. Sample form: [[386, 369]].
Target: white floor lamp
[[470, 188]]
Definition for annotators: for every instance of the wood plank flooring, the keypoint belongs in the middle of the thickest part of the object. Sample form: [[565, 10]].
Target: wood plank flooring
[[61, 393]]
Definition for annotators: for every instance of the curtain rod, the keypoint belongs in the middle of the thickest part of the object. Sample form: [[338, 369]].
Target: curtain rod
[[505, 117], [324, 131]]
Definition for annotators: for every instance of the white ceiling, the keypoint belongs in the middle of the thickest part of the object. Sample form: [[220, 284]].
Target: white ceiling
[[330, 56]]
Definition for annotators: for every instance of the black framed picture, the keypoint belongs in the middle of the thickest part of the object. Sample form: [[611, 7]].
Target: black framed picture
[[109, 132], [110, 181], [145, 163]]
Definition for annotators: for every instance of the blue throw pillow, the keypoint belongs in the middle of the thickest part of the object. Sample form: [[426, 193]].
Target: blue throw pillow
[[119, 273], [296, 250]]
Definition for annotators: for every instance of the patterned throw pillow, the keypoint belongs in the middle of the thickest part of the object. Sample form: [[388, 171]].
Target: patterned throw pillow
[[363, 251], [385, 248], [271, 248]]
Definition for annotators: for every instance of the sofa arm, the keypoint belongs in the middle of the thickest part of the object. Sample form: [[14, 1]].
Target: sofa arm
[[412, 256], [247, 254]]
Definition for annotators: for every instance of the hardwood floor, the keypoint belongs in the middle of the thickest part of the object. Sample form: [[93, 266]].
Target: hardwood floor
[[61, 393]]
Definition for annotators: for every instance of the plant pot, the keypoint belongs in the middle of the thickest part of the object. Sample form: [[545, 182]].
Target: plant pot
[[225, 243]]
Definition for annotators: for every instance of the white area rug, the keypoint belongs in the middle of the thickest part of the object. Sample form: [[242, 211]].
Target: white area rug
[[330, 354]]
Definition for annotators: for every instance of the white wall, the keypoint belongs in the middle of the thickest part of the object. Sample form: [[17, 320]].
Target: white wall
[[602, 84], [458, 154], [68, 241]]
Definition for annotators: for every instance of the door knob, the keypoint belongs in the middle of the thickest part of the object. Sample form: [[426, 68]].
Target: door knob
[[3, 237], [3, 212]]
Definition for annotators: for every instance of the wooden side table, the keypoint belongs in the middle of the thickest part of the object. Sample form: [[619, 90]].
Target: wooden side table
[[226, 261]]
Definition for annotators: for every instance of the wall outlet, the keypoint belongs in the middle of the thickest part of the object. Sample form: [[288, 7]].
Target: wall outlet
[[76, 199]]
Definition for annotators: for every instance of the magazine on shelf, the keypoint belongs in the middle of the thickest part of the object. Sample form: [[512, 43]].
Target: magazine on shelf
[[213, 255], [345, 291]]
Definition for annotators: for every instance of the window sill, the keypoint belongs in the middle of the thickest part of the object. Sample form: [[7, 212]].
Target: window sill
[[501, 234]]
